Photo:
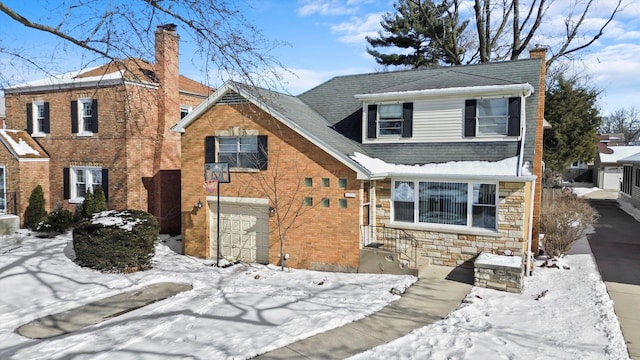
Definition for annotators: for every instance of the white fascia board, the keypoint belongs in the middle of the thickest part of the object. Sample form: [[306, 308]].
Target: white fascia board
[[181, 125], [33, 160], [489, 90], [63, 83]]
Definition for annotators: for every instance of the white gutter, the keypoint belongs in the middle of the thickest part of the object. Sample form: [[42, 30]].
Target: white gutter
[[523, 133], [529, 258], [414, 175], [521, 89]]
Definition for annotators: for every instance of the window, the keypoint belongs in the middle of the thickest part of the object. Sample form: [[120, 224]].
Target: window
[[492, 116], [308, 182], [325, 182], [308, 201], [84, 117], [78, 181], [390, 119], [184, 111], [637, 179], [445, 203], [243, 152], [326, 203], [38, 118], [3, 190], [342, 203], [342, 183]]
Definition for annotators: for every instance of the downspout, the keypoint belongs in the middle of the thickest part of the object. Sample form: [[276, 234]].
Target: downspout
[[529, 257], [523, 126]]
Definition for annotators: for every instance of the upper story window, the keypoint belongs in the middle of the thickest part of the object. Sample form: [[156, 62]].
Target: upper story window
[[84, 116], [240, 152], [445, 203], [80, 180], [184, 111], [492, 117], [38, 123], [393, 120]]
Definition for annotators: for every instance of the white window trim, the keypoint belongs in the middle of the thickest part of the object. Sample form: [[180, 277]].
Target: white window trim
[[185, 108], [378, 119], [37, 131], [233, 168], [81, 122], [506, 122], [469, 228], [74, 198]]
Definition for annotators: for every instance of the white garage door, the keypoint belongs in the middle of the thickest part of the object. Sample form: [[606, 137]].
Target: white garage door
[[244, 231], [612, 178]]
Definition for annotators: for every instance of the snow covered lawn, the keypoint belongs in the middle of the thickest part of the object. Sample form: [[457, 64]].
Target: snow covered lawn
[[244, 310], [235, 312]]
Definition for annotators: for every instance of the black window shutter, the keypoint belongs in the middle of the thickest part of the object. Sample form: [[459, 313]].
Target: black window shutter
[[514, 117], [94, 116], [66, 183], [74, 117], [470, 118], [372, 113], [263, 152], [30, 118], [210, 149], [407, 117], [46, 126], [105, 183]]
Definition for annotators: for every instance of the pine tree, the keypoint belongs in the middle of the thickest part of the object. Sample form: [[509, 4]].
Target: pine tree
[[100, 200], [430, 31], [35, 211], [574, 117]]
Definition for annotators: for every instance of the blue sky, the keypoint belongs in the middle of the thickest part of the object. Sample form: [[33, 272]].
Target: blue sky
[[326, 38]]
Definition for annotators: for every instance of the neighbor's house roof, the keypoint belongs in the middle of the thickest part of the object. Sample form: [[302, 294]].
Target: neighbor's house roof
[[22, 146], [315, 113], [633, 159], [618, 153], [130, 71]]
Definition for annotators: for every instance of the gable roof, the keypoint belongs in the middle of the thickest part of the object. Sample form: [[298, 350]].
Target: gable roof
[[22, 146], [618, 153], [316, 113], [131, 70]]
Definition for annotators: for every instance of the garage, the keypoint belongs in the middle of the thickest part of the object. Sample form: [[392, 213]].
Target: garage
[[244, 229], [612, 177]]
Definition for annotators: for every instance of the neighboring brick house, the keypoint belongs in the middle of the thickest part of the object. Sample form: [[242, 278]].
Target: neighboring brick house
[[110, 126], [435, 164]]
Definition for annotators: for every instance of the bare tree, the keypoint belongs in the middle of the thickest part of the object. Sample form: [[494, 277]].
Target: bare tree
[[225, 41], [625, 121], [493, 18]]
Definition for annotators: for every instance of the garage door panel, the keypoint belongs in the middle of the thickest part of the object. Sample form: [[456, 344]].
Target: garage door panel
[[243, 232]]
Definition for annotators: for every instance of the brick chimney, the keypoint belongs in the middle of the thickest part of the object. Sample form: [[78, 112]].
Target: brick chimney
[[164, 200], [538, 52]]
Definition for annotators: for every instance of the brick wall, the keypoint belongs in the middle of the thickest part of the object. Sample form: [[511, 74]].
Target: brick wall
[[320, 237], [453, 249], [540, 53]]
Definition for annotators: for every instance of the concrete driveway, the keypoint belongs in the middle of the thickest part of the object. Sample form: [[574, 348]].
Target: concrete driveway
[[616, 248]]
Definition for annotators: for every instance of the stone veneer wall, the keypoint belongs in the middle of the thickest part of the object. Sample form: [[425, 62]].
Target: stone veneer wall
[[499, 272], [453, 249]]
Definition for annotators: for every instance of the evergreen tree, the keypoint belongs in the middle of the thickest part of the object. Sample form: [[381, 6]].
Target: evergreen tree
[[574, 117], [100, 199], [35, 211], [428, 30]]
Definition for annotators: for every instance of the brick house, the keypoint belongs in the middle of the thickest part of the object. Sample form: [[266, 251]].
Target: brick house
[[433, 166], [110, 126]]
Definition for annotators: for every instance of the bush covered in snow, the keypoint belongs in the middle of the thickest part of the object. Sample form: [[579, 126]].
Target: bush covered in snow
[[116, 241], [57, 221], [564, 219]]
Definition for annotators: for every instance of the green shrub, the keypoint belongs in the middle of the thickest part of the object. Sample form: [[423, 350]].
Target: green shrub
[[35, 212], [94, 202], [116, 241], [59, 220]]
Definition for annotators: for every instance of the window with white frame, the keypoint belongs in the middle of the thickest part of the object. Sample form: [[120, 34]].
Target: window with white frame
[[493, 116], [84, 180], [39, 117], [240, 151], [184, 110], [390, 119], [445, 203], [85, 115]]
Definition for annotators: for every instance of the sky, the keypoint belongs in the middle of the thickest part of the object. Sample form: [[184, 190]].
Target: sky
[[248, 309], [322, 39]]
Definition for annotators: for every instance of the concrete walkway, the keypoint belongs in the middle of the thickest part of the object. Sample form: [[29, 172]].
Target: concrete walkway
[[438, 292]]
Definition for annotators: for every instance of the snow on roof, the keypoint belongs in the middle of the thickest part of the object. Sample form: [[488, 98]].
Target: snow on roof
[[619, 153], [69, 78], [632, 158], [20, 146], [506, 167]]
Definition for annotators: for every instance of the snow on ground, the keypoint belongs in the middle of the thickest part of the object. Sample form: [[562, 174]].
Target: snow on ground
[[235, 312], [561, 314], [243, 310]]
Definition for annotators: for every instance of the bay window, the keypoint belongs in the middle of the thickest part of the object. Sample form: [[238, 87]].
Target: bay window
[[445, 203]]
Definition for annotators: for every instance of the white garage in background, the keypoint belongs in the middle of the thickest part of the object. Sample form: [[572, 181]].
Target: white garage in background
[[607, 171], [244, 228]]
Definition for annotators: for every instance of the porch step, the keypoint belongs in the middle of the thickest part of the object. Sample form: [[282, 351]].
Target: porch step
[[374, 260]]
